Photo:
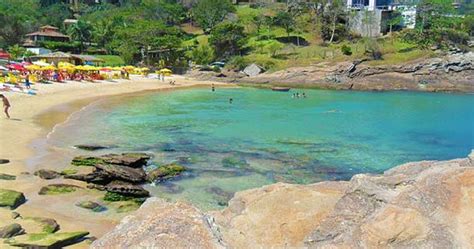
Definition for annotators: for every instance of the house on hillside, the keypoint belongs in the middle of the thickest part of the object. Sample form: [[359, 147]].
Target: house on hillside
[[45, 33]]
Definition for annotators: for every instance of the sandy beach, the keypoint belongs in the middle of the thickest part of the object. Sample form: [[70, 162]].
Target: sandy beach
[[32, 118]]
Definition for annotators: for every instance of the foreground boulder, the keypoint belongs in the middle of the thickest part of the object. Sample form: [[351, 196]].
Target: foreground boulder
[[47, 174], [11, 231], [123, 173], [159, 224], [46, 240], [11, 199]]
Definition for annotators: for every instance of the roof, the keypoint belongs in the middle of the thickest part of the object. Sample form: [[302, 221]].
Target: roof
[[49, 33], [54, 55], [87, 58], [49, 27]]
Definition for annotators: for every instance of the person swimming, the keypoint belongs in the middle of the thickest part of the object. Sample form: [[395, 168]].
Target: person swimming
[[231, 100], [213, 88], [303, 95]]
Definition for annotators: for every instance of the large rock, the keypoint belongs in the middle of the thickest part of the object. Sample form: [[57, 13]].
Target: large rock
[[123, 173], [47, 225], [57, 189], [4, 161], [134, 160], [11, 231], [416, 205], [252, 70], [97, 176], [11, 199], [47, 174], [46, 240], [277, 216], [159, 224]]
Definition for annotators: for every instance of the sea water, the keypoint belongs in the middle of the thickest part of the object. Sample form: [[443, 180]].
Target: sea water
[[264, 137]]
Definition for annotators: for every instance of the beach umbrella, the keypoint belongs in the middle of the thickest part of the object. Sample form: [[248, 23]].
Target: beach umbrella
[[106, 69], [2, 68], [48, 68], [33, 67], [16, 67], [117, 68]]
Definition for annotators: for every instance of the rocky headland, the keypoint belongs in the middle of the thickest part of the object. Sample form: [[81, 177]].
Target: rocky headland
[[446, 73], [427, 204]]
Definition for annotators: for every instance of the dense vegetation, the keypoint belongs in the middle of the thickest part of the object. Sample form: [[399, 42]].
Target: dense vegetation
[[168, 33]]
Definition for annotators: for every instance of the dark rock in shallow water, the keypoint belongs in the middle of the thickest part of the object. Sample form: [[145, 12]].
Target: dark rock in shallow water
[[126, 189], [7, 177], [47, 174], [86, 161], [11, 231], [11, 199], [234, 162], [4, 161], [15, 215], [94, 206], [123, 173], [56, 189], [91, 147], [171, 188], [165, 172], [46, 240], [222, 197]]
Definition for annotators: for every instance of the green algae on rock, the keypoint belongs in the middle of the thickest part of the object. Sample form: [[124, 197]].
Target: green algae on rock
[[7, 177], [11, 199], [86, 161], [234, 162], [165, 172], [113, 197], [69, 171], [57, 189], [46, 240]]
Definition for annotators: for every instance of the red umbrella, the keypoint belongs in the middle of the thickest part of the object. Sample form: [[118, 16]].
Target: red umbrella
[[106, 69], [4, 55], [16, 67]]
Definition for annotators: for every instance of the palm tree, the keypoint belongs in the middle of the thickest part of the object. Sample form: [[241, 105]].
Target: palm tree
[[81, 32]]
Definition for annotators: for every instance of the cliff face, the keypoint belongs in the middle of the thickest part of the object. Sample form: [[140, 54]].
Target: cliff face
[[428, 204]]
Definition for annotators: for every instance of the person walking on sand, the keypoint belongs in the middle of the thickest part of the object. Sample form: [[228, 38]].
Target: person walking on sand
[[6, 105]]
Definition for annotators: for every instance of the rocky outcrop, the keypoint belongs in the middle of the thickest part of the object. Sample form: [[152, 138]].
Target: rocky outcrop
[[419, 205], [426, 204], [165, 172], [159, 224], [47, 174]]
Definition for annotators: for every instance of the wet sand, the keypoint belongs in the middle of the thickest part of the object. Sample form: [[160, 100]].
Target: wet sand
[[32, 118]]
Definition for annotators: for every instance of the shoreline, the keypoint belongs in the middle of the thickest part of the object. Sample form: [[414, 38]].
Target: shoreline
[[33, 118]]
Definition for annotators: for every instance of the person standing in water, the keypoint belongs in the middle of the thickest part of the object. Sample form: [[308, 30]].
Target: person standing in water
[[231, 100], [6, 105], [213, 88]]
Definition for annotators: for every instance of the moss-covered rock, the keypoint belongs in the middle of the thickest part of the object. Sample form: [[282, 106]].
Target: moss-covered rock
[[11, 199], [93, 206], [47, 225], [47, 174], [4, 161], [11, 231], [46, 240], [114, 197], [57, 189], [69, 171], [7, 177], [165, 172], [86, 161]]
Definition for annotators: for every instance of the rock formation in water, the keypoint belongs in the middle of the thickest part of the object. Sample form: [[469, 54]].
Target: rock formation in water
[[428, 204]]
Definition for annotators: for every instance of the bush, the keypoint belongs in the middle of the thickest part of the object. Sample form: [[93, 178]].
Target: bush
[[346, 50], [202, 55], [236, 63]]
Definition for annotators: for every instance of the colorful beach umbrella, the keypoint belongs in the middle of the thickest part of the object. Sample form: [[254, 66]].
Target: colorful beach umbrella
[[17, 67], [33, 67]]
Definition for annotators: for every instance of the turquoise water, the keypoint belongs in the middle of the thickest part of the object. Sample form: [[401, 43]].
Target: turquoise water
[[265, 137]]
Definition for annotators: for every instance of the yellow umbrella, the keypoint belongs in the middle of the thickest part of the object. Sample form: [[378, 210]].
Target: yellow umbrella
[[33, 67], [117, 68], [166, 70], [50, 67], [65, 64]]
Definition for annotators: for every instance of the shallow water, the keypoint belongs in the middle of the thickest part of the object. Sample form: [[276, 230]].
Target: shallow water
[[265, 137]]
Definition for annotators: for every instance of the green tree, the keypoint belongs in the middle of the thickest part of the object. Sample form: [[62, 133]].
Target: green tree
[[16, 51], [285, 20], [228, 39], [169, 11], [333, 21], [208, 13], [273, 47], [103, 32], [81, 31], [202, 54], [395, 19], [17, 17]]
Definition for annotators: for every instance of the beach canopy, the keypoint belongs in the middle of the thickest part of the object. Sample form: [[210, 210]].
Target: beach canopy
[[41, 63]]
